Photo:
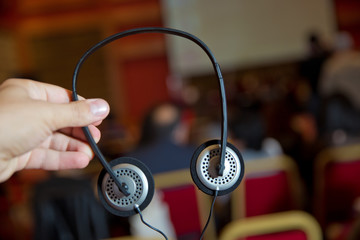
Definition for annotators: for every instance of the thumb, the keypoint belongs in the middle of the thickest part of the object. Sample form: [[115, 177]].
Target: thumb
[[79, 113]]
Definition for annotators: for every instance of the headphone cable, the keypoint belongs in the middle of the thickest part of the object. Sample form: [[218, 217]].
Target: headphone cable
[[211, 211], [163, 234], [147, 224]]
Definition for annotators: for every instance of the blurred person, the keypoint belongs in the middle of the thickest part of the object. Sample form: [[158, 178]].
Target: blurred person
[[248, 134], [246, 131], [310, 70], [341, 71], [115, 138], [339, 88], [162, 147], [67, 208], [312, 66]]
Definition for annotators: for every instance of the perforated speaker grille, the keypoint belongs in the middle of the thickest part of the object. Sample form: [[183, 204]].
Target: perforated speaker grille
[[207, 168], [136, 183]]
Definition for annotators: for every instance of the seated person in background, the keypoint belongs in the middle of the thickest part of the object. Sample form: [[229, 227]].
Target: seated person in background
[[340, 121], [162, 146], [248, 135], [341, 71], [162, 149], [339, 88]]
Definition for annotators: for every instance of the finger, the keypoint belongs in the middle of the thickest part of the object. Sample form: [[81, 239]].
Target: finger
[[48, 159], [51, 93], [44, 91], [79, 133], [77, 114], [97, 123], [61, 142]]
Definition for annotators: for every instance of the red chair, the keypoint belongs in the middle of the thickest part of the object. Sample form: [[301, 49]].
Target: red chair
[[189, 207], [271, 185], [291, 225], [337, 186]]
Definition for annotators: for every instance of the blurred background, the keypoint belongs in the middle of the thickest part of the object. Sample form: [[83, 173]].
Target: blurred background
[[283, 62]]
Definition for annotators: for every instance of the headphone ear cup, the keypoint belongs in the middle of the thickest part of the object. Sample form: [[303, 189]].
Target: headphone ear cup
[[204, 168], [139, 181]]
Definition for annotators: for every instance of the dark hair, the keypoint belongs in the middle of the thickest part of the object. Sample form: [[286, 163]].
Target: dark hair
[[250, 128], [337, 112], [153, 130]]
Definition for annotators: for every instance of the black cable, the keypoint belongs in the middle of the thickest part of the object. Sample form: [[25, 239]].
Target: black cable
[[211, 211], [147, 224], [176, 32]]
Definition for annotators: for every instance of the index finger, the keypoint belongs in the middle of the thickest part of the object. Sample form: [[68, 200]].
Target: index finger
[[45, 91]]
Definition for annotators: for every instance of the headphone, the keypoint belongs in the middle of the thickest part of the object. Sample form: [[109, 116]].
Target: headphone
[[126, 186]]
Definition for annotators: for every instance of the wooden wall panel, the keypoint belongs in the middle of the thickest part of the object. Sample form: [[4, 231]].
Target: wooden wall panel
[[8, 58], [55, 56], [145, 84]]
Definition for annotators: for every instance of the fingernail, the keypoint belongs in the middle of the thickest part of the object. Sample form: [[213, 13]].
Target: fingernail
[[98, 107]]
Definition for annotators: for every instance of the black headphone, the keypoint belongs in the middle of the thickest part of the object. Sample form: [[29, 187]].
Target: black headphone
[[126, 185]]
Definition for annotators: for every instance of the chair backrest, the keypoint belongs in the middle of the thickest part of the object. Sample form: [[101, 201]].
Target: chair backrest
[[134, 238], [189, 207], [337, 183], [270, 185], [294, 225]]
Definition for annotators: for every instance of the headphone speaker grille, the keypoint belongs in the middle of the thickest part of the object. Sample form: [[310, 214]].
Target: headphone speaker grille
[[204, 168], [138, 180], [137, 186], [208, 161]]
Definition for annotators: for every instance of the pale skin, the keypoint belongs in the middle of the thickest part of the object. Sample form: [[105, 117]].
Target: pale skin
[[40, 127]]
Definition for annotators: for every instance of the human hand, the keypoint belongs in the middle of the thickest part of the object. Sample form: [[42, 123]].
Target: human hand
[[41, 128]]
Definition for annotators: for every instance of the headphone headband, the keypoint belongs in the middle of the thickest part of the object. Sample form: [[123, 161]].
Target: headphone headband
[[154, 30]]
